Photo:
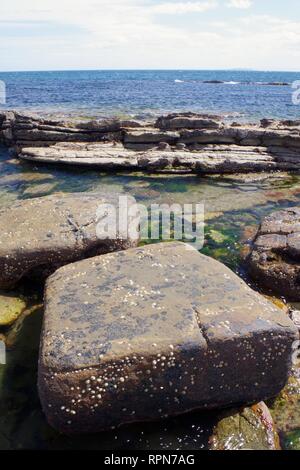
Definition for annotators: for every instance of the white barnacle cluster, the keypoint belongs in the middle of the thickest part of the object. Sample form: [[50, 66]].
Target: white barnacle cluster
[[135, 292], [101, 388]]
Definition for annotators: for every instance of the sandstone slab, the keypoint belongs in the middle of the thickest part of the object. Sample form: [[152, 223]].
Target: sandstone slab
[[205, 159], [41, 234], [155, 331]]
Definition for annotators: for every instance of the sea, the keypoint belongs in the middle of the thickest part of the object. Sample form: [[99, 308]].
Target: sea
[[235, 94]]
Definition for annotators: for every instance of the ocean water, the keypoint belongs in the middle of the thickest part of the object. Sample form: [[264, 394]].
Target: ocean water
[[239, 95]]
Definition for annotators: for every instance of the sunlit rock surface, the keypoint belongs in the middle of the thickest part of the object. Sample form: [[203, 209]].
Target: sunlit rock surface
[[41, 234], [155, 331], [186, 142], [11, 307]]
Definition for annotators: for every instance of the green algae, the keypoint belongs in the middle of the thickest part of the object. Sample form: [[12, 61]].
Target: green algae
[[249, 428], [292, 440]]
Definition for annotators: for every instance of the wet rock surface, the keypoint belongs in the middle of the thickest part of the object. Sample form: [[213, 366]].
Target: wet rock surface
[[185, 142], [154, 331], [285, 409], [275, 257], [249, 428], [41, 234], [11, 307]]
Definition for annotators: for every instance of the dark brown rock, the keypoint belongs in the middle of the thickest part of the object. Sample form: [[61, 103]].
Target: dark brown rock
[[155, 331], [275, 258]]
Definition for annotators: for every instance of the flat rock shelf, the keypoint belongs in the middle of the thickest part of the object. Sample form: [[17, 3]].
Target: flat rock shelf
[[186, 143], [142, 334]]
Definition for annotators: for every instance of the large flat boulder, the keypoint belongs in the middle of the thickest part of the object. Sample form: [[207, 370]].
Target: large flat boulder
[[41, 234], [155, 331], [274, 260]]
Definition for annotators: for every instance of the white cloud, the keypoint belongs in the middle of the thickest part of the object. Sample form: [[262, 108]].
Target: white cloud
[[128, 34], [243, 4], [184, 7]]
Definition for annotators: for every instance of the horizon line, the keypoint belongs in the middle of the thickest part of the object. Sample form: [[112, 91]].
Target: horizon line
[[231, 69]]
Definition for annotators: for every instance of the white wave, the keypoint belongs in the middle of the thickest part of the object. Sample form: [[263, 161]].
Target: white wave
[[179, 81]]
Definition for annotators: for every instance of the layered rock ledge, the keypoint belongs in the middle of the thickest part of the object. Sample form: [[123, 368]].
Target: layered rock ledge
[[186, 142], [155, 331], [274, 260], [41, 234]]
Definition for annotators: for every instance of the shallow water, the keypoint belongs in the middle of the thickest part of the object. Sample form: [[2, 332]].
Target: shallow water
[[233, 208]]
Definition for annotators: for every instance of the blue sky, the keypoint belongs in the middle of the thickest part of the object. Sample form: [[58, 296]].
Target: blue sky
[[194, 34]]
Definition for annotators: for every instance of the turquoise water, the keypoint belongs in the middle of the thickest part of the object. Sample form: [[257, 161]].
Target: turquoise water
[[245, 95], [233, 208]]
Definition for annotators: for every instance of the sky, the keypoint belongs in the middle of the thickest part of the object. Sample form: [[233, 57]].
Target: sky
[[149, 34]]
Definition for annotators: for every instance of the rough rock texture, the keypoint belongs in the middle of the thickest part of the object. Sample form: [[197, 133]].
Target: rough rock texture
[[41, 234], [155, 331], [19, 129], [295, 317], [207, 159], [275, 257], [246, 429], [285, 408], [185, 142]]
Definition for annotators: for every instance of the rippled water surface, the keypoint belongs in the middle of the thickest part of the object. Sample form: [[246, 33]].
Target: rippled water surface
[[233, 208], [245, 95]]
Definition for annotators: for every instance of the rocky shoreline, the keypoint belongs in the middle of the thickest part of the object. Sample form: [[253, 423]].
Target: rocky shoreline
[[138, 333], [178, 143]]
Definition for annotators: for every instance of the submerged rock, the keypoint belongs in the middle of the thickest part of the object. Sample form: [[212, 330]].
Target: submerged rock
[[14, 332], [285, 409], [292, 440], [11, 307], [246, 429], [41, 234], [275, 257], [155, 331]]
